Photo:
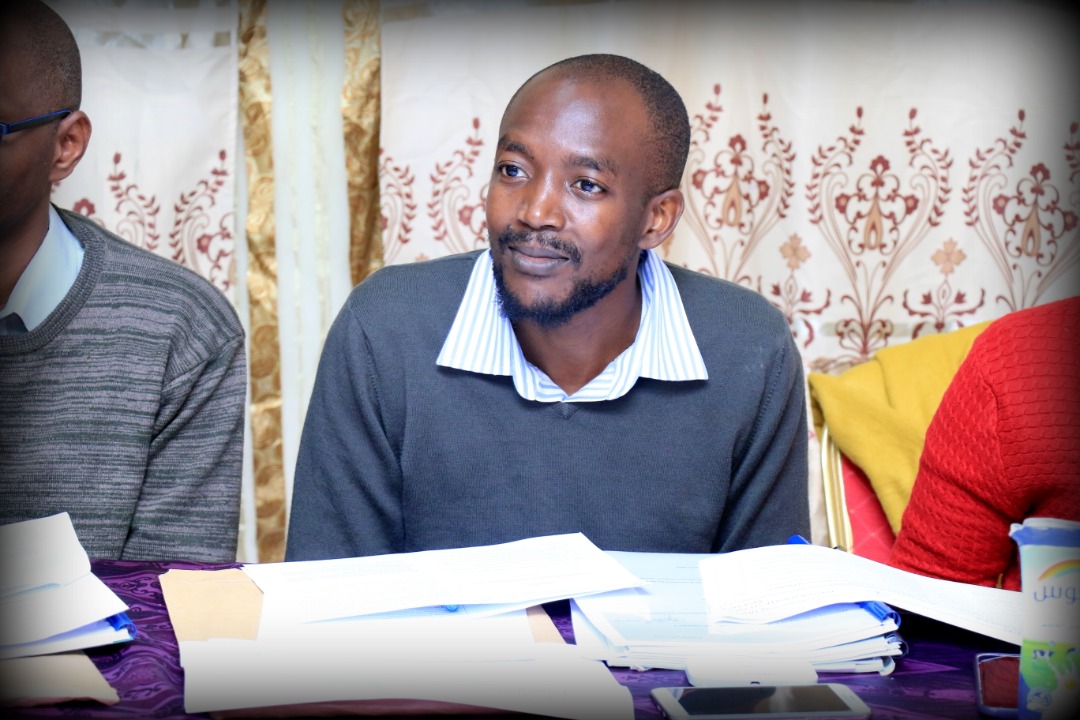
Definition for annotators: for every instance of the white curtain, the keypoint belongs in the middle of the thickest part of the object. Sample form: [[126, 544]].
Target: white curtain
[[860, 163], [307, 65]]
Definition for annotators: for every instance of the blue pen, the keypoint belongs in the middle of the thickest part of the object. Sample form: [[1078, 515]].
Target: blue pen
[[452, 608]]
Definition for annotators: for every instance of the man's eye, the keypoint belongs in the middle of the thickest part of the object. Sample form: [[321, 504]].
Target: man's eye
[[512, 171], [588, 186]]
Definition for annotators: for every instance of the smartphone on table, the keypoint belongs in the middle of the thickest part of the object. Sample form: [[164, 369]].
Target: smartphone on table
[[997, 684], [823, 700]]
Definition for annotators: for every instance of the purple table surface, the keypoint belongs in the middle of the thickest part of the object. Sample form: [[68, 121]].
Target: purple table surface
[[934, 680]]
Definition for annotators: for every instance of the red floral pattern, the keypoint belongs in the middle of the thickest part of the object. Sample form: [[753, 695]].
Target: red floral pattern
[[878, 219], [1031, 238], [736, 194], [397, 206], [874, 228], [457, 215], [201, 237]]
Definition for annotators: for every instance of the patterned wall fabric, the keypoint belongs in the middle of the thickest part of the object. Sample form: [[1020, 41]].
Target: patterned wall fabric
[[160, 171], [879, 171]]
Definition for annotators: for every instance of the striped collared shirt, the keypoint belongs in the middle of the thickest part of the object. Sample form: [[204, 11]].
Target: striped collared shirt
[[481, 340]]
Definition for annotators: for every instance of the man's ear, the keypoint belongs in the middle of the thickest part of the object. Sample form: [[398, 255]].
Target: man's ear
[[72, 138], [661, 216]]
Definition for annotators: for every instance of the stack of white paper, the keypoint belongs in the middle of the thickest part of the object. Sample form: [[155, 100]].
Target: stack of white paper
[[441, 625], [763, 611], [769, 583], [474, 581], [50, 602], [667, 624]]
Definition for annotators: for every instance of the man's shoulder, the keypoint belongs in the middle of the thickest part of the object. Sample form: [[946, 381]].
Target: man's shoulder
[[144, 275]]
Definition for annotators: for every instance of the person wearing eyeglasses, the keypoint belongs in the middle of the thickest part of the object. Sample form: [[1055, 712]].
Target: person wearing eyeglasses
[[122, 374]]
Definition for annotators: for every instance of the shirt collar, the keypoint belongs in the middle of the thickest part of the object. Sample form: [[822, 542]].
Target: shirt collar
[[49, 276], [481, 340]]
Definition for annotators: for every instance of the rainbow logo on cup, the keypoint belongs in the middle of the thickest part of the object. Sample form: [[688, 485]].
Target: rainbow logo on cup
[[1059, 569]]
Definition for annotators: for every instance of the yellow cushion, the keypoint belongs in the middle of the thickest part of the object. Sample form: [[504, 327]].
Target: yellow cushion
[[877, 412]]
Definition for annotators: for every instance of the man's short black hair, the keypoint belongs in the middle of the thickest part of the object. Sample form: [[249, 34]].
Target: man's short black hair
[[48, 47], [670, 122]]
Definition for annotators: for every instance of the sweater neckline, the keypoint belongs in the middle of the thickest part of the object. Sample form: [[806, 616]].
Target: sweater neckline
[[73, 302]]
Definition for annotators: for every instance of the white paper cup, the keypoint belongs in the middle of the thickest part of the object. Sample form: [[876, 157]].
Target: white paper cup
[[1050, 654]]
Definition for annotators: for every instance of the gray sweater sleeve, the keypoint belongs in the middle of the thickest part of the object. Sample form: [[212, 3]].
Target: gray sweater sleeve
[[768, 494], [194, 463], [334, 513]]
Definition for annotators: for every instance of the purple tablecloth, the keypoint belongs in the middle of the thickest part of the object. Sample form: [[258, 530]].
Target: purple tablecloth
[[935, 680]]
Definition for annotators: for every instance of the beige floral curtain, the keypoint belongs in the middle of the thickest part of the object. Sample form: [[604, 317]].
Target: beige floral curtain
[[878, 170]]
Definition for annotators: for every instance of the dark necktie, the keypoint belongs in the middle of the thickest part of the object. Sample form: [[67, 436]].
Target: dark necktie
[[12, 325]]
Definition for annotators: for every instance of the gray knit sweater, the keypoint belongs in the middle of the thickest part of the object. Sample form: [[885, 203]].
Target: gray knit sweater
[[125, 408], [400, 455]]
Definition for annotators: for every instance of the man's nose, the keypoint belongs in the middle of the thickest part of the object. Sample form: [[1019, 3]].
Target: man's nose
[[541, 205]]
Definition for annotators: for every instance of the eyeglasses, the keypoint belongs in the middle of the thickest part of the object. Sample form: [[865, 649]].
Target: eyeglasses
[[8, 128]]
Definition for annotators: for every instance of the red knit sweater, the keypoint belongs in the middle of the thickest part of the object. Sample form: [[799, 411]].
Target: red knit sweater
[[1003, 446]]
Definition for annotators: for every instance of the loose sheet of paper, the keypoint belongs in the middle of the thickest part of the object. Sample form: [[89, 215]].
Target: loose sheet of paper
[[94, 634], [38, 614], [40, 552], [545, 678], [506, 576], [48, 590], [769, 583]]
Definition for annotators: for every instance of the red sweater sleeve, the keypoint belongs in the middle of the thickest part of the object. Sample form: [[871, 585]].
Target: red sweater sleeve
[[1003, 446]]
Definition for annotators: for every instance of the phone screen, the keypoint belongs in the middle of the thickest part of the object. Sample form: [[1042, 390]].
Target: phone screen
[[701, 702]]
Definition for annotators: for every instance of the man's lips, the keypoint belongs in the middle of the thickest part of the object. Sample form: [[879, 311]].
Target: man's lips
[[536, 261], [538, 252], [532, 247]]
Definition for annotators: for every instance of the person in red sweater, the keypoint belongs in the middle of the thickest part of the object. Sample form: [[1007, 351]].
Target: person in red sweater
[[1004, 445]]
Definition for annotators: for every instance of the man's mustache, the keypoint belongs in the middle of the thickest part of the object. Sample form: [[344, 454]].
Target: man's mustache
[[545, 239]]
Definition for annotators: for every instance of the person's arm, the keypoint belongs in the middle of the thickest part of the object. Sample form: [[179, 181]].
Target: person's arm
[[956, 524], [768, 500], [189, 507], [346, 499]]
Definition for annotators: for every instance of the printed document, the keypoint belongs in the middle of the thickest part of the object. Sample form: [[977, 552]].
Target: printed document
[[469, 581]]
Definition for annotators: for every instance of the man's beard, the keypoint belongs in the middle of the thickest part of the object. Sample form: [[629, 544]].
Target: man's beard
[[552, 313]]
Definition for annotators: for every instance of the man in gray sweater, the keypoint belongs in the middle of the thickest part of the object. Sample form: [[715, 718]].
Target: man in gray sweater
[[567, 379], [122, 374]]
